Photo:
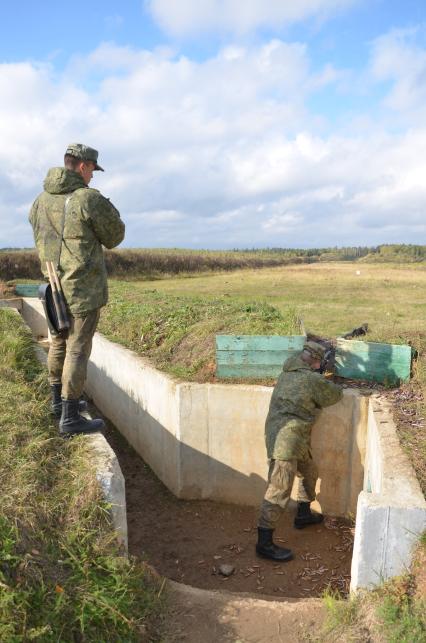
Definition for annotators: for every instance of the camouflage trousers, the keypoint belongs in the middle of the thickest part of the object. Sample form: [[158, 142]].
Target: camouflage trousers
[[280, 483], [69, 353]]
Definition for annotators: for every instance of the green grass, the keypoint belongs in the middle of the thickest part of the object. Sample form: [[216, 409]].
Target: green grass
[[178, 332], [393, 613], [62, 577]]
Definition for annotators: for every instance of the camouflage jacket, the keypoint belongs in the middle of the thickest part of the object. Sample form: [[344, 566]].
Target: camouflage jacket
[[91, 222], [298, 396]]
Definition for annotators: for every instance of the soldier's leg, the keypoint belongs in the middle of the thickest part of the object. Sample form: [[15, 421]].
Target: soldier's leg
[[306, 493], [55, 365], [79, 346], [307, 483], [56, 358], [78, 349], [280, 481]]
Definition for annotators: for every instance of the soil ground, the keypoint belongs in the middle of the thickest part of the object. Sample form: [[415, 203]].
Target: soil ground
[[207, 616], [187, 541]]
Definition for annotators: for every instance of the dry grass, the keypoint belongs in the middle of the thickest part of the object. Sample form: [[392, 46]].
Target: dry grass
[[156, 263]]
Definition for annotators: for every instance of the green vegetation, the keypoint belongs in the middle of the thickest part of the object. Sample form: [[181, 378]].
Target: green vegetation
[[159, 263], [178, 333], [394, 612], [62, 577]]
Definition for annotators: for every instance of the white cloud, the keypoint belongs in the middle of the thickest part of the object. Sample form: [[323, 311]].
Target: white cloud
[[399, 60], [222, 153], [189, 17]]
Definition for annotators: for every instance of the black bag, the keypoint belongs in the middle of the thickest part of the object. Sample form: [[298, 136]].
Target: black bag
[[46, 296]]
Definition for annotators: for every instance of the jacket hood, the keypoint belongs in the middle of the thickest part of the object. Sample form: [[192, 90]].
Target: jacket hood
[[295, 363], [59, 180]]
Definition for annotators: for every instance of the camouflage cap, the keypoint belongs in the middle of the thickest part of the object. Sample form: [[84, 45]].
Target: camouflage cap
[[84, 153], [316, 350]]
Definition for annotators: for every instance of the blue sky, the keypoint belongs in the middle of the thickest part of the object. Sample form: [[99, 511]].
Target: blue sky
[[223, 123]]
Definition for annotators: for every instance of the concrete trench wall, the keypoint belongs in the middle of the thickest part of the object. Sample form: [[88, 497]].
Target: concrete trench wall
[[391, 509], [206, 441]]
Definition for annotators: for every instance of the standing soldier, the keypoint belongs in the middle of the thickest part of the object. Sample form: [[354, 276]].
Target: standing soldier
[[299, 394], [71, 222]]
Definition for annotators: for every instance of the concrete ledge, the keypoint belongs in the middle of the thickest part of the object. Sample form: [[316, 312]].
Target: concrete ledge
[[111, 479], [33, 313], [391, 511]]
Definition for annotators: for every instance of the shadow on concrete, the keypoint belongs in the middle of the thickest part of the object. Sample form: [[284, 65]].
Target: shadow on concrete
[[187, 472]]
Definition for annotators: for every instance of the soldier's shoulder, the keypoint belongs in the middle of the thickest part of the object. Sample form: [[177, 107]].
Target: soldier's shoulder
[[90, 198], [40, 199], [316, 379]]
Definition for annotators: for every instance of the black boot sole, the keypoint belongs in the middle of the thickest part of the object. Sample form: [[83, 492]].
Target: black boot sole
[[71, 434], [271, 557], [307, 523]]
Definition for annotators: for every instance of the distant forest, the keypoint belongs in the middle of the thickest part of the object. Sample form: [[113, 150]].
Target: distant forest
[[386, 252], [145, 263]]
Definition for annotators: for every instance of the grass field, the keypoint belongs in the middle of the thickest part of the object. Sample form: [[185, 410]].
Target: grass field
[[331, 298]]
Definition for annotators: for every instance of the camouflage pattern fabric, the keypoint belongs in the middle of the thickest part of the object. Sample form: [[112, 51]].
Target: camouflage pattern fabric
[[85, 153], [280, 483], [91, 222], [69, 353], [299, 394]]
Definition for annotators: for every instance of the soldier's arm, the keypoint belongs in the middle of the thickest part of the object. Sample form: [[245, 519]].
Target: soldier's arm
[[33, 214], [105, 220], [326, 393], [37, 234]]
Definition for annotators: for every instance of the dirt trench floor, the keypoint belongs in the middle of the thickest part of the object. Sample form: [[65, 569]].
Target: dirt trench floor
[[188, 541]]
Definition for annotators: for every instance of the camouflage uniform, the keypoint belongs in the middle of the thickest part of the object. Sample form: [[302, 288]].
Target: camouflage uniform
[[91, 222], [298, 396]]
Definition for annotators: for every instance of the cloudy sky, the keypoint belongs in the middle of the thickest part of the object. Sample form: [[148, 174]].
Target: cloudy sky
[[222, 123]]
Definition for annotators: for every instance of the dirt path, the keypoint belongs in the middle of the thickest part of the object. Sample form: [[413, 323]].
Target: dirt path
[[187, 541], [205, 616]]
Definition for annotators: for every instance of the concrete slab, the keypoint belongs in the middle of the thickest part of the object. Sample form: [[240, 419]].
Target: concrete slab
[[391, 511]]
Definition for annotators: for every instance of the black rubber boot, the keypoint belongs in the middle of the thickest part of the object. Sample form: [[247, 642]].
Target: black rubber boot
[[305, 517], [267, 549], [56, 406], [72, 423]]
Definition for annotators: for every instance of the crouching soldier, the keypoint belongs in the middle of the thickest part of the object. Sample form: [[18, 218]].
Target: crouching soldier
[[298, 396]]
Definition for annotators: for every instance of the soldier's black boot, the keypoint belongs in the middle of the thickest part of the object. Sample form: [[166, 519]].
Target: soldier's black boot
[[56, 406], [267, 549], [72, 423], [305, 517]]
